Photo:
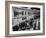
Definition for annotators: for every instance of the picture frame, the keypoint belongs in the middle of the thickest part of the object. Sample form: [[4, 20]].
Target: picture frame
[[23, 6]]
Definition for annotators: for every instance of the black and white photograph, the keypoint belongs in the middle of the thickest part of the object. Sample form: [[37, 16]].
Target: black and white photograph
[[25, 18]]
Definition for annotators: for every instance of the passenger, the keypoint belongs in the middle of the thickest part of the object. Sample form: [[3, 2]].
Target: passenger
[[22, 25], [15, 28], [31, 24]]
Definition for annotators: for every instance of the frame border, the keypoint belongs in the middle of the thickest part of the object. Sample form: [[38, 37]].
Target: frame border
[[7, 19]]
